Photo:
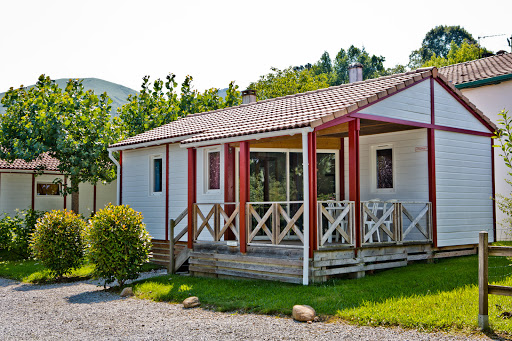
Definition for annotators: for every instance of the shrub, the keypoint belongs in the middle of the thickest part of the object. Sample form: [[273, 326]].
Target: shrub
[[118, 243], [58, 241], [15, 231]]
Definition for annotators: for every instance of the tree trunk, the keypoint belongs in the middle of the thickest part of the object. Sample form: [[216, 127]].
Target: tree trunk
[[74, 197]]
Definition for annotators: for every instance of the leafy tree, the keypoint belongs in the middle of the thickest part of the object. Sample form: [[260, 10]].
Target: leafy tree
[[438, 41], [71, 125], [373, 66], [288, 82], [324, 65], [458, 54]]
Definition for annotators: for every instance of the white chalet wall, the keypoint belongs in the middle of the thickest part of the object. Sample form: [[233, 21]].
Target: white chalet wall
[[464, 188], [15, 192], [178, 185], [106, 194], [48, 202], [412, 104], [136, 190], [450, 113]]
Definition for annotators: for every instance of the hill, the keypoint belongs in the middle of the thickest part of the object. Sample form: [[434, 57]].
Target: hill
[[117, 92]]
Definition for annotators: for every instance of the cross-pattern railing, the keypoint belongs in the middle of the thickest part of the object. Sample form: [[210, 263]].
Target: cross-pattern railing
[[214, 219], [270, 223], [335, 223]]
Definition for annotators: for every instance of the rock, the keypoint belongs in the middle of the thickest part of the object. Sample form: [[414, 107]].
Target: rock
[[127, 292], [303, 313], [191, 302]]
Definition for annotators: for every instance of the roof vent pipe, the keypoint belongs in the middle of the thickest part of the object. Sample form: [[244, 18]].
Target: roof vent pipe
[[248, 96], [355, 72]]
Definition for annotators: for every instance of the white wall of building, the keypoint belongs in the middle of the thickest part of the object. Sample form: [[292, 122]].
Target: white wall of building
[[178, 185], [15, 192]]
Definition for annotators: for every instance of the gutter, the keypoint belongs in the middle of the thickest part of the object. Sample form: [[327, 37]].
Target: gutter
[[118, 167], [241, 138], [151, 143], [487, 81]]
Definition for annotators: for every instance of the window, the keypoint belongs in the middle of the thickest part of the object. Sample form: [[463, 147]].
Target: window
[[213, 174], [48, 188], [383, 168], [157, 175]]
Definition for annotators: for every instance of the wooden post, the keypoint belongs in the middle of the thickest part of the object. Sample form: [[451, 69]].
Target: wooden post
[[192, 169], [354, 177], [171, 268], [244, 193], [483, 281]]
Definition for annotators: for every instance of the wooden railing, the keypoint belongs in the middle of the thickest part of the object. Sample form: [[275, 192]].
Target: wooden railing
[[177, 260], [216, 221], [335, 223], [268, 223], [396, 222]]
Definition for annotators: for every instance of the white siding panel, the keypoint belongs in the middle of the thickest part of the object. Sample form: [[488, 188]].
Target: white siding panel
[[106, 194], [464, 187], [450, 113], [412, 104], [178, 185], [136, 190], [47, 202], [16, 192], [86, 199]]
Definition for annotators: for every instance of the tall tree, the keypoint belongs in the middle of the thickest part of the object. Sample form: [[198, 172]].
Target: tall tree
[[324, 65], [71, 125], [457, 54], [373, 66], [438, 41]]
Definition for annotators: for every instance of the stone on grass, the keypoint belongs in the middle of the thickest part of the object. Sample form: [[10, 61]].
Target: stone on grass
[[303, 313], [127, 292], [191, 302]]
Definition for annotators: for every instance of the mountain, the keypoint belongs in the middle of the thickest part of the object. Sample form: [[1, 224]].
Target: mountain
[[117, 92]]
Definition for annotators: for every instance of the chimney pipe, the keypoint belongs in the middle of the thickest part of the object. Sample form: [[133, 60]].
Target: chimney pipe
[[355, 72], [248, 96]]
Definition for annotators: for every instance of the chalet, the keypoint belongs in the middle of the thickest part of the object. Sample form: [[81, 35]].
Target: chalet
[[362, 176], [22, 187], [487, 82]]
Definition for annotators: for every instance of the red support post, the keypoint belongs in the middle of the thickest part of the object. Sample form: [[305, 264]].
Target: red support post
[[120, 177], [354, 176], [32, 204], [167, 191], [432, 164], [65, 184], [493, 194], [312, 193], [229, 185], [342, 168], [244, 192], [192, 192]]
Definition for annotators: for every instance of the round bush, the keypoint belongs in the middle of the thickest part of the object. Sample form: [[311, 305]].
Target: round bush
[[57, 241], [118, 243]]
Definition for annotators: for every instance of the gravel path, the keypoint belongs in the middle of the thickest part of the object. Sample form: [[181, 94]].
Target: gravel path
[[83, 311]]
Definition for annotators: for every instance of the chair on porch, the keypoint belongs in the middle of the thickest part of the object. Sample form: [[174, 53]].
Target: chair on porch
[[378, 208]]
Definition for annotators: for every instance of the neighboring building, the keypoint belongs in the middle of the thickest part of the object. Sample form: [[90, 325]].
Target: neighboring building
[[22, 188], [395, 169], [487, 82]]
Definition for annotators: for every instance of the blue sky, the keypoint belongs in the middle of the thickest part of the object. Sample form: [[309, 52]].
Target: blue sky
[[219, 41]]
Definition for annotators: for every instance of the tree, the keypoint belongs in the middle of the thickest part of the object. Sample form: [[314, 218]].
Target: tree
[[458, 54], [288, 82], [324, 65], [438, 41], [71, 125], [373, 66], [159, 105]]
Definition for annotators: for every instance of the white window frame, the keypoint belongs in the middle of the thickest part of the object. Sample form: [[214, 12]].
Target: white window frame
[[207, 152], [373, 167], [48, 183], [151, 184]]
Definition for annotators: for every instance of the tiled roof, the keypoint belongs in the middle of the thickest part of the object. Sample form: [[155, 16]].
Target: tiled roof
[[480, 69], [295, 111], [45, 162]]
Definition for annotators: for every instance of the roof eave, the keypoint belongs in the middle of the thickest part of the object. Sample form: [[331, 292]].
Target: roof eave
[[486, 81]]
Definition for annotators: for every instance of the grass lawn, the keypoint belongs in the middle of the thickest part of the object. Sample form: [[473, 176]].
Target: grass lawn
[[31, 271], [439, 296]]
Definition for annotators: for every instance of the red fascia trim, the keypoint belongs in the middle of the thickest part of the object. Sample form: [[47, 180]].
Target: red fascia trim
[[120, 177], [465, 105], [336, 121], [229, 185], [312, 183], [244, 192], [493, 192], [192, 192], [354, 176], [419, 124], [167, 191], [94, 199], [342, 168], [33, 190]]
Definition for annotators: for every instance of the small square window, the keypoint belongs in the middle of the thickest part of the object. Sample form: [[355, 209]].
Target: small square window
[[48, 188], [213, 170], [157, 175], [384, 162]]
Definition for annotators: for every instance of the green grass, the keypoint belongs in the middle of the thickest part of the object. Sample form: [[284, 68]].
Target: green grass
[[440, 296]]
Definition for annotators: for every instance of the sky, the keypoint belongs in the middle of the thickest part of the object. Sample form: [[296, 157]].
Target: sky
[[219, 41]]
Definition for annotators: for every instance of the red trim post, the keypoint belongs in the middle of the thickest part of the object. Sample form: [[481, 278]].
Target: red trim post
[[244, 192], [167, 191], [432, 192], [493, 193], [312, 193], [94, 194], [32, 204], [120, 177], [229, 185], [354, 176], [65, 185], [192, 192], [342, 168]]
